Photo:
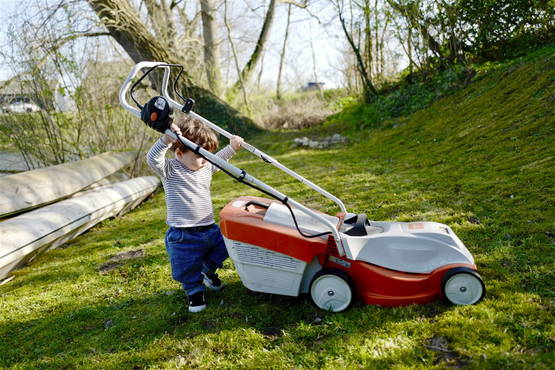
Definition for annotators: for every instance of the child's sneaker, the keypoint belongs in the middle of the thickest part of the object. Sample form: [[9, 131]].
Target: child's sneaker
[[212, 281], [197, 302]]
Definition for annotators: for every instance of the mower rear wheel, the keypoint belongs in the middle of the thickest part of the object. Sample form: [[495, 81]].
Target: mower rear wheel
[[463, 286], [331, 290]]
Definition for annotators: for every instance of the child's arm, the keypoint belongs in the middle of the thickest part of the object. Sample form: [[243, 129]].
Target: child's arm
[[156, 156], [228, 151]]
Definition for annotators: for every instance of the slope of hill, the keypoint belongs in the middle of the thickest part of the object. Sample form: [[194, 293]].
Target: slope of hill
[[480, 159]]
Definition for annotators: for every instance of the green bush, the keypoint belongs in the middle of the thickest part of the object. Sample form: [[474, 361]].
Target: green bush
[[403, 97], [504, 29]]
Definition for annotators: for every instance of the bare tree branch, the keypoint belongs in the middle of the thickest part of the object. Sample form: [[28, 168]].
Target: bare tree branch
[[368, 87], [282, 54], [53, 49], [235, 59], [257, 52], [295, 3]]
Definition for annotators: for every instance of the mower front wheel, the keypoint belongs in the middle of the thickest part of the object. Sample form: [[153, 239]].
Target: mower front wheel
[[331, 290], [463, 286]]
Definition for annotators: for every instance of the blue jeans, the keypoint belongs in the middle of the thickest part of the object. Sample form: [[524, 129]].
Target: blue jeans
[[192, 252]]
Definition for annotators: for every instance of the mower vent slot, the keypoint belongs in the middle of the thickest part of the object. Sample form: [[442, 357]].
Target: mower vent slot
[[331, 247], [264, 257]]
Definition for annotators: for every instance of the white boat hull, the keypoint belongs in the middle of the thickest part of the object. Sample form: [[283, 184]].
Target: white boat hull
[[31, 189], [23, 237]]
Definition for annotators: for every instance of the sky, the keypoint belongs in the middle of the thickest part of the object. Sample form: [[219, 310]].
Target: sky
[[8, 7]]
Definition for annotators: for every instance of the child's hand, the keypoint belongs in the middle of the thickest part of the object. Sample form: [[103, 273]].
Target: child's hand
[[167, 138], [236, 142]]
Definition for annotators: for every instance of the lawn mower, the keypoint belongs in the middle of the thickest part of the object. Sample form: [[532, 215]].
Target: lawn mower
[[280, 246]]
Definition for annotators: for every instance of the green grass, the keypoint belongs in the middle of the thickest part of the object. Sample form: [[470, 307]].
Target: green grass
[[481, 159]]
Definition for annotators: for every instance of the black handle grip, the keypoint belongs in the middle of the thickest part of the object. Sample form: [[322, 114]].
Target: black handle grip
[[188, 105], [254, 202]]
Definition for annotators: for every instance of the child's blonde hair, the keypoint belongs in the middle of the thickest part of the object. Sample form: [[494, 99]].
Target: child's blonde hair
[[197, 132]]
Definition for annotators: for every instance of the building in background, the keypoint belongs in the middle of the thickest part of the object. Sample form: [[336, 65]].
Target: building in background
[[26, 96], [313, 86]]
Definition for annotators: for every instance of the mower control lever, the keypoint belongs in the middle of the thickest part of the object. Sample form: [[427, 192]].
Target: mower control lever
[[188, 105], [254, 202]]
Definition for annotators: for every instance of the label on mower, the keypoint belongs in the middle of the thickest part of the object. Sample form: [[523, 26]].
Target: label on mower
[[160, 103], [416, 226], [340, 262], [238, 203]]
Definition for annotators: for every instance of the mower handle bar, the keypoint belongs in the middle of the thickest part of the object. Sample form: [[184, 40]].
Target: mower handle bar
[[265, 157], [240, 173], [127, 83], [260, 154], [235, 171]]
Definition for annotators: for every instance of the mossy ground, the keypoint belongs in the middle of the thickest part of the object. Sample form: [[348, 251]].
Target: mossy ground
[[480, 159]]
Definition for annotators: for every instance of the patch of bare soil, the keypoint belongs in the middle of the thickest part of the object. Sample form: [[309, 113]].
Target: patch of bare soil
[[440, 345], [117, 260]]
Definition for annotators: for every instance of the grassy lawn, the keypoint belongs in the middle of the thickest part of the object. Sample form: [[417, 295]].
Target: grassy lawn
[[481, 160]]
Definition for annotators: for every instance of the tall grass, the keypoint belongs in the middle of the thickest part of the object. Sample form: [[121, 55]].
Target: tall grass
[[297, 110]]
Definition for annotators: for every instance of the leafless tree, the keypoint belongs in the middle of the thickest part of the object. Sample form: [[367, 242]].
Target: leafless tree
[[123, 22], [235, 58], [363, 64], [211, 46], [282, 53], [249, 67]]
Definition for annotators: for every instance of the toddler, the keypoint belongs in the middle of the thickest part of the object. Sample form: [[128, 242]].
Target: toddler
[[193, 241]]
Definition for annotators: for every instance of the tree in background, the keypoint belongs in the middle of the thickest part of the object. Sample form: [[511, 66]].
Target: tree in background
[[454, 32], [123, 22], [358, 33], [282, 53], [503, 28], [248, 69], [434, 35], [211, 46]]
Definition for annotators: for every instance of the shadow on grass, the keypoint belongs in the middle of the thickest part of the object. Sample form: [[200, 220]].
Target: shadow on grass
[[76, 333]]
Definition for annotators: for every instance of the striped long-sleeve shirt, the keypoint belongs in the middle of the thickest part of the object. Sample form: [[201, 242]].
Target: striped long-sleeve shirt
[[188, 199]]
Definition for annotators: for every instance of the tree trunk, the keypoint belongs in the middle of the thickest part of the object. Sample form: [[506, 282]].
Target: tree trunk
[[282, 54], [260, 71], [367, 86], [409, 46], [367, 34], [257, 52], [162, 22], [211, 48], [122, 22], [382, 49], [235, 58]]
